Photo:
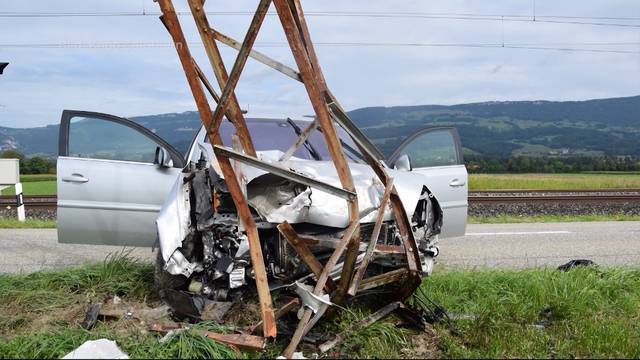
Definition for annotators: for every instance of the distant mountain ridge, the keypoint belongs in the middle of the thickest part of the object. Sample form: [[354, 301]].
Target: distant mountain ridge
[[504, 128]]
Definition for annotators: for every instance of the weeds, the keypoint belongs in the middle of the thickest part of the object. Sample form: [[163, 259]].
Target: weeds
[[593, 313], [586, 312], [6, 223]]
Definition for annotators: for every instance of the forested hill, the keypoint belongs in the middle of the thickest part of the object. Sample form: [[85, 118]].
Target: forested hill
[[592, 127], [497, 129]]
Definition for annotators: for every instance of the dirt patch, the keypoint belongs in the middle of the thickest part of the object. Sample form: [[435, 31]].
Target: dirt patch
[[423, 345]]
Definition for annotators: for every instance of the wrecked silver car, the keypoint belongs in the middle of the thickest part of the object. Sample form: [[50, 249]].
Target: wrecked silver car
[[325, 219], [205, 246]]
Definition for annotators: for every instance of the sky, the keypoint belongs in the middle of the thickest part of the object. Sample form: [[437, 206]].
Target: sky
[[40, 82]]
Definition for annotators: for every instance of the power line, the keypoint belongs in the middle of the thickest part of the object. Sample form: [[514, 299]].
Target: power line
[[566, 47], [554, 19]]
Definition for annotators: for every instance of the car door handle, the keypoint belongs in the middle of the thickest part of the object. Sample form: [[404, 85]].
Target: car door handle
[[457, 183], [76, 178]]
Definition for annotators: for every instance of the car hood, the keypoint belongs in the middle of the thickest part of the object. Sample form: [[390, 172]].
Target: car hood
[[276, 203]]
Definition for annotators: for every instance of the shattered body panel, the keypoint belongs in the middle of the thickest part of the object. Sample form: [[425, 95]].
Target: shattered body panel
[[277, 200]]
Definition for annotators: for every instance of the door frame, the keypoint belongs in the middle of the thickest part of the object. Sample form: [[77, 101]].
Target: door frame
[[456, 139], [67, 115]]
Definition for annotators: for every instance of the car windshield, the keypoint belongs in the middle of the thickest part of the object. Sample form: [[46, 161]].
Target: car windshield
[[272, 134]]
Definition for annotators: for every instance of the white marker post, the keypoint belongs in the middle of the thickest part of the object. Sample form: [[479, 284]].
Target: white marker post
[[19, 202], [10, 175]]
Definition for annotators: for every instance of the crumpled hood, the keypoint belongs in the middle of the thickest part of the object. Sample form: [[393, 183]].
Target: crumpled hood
[[318, 207]]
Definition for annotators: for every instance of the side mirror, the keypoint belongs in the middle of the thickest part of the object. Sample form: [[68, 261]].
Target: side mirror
[[163, 158], [403, 163]]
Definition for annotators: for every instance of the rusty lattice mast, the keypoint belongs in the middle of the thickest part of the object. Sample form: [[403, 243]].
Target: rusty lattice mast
[[328, 113]]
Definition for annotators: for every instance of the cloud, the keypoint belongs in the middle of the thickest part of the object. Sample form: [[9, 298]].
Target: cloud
[[128, 82]]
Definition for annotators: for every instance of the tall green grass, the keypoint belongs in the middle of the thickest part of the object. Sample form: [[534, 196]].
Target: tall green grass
[[34, 188], [13, 223], [553, 181], [594, 313]]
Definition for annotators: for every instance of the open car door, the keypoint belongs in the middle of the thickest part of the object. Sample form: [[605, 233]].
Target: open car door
[[436, 152], [113, 177]]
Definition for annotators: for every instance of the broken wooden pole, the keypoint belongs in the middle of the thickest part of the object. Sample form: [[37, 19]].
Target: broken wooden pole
[[170, 19], [238, 66], [376, 316], [373, 240], [305, 254], [241, 341], [234, 113]]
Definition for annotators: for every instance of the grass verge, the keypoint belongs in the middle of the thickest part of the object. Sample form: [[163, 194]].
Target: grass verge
[[28, 224], [586, 312], [510, 219], [553, 181], [46, 187]]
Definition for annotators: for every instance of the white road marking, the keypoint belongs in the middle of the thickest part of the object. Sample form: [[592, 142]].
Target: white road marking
[[519, 233]]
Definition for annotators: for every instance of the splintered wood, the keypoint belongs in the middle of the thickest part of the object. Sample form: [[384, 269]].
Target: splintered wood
[[328, 113]]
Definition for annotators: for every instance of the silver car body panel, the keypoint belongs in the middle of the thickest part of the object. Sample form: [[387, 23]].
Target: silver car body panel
[[110, 202]]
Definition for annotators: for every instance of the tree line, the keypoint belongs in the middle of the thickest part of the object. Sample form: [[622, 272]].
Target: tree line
[[31, 164], [475, 164], [573, 164]]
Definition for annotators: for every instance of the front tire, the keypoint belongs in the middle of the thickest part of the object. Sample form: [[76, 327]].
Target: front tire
[[163, 280]]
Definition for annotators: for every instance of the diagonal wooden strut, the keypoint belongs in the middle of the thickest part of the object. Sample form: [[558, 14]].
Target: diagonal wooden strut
[[234, 113], [305, 254], [170, 19], [373, 240], [238, 66]]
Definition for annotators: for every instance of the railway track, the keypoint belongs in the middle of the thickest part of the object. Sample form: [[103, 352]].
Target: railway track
[[555, 196], [30, 201], [475, 197]]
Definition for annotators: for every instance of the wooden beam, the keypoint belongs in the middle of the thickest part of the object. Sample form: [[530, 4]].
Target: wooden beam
[[383, 279], [302, 328], [239, 64], [170, 19], [376, 316], [305, 254], [206, 83], [300, 140], [258, 56], [310, 73], [233, 112], [357, 278]]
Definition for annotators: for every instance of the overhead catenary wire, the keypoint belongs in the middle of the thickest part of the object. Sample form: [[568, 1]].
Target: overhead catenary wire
[[566, 47], [555, 19]]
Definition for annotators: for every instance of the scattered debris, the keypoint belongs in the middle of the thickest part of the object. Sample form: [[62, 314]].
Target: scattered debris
[[326, 346], [241, 341], [91, 316], [97, 349], [576, 263]]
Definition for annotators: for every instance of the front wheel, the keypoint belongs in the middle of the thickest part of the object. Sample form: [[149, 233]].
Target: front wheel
[[163, 280]]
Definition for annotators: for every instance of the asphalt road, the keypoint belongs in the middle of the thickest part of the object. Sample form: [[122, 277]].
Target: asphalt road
[[491, 245], [28, 250], [543, 244]]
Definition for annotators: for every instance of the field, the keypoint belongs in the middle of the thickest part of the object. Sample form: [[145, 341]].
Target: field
[[588, 312], [35, 185], [46, 184], [553, 181]]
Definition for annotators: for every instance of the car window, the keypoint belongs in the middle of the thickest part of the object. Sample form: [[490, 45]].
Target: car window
[[270, 134], [434, 148], [102, 139]]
